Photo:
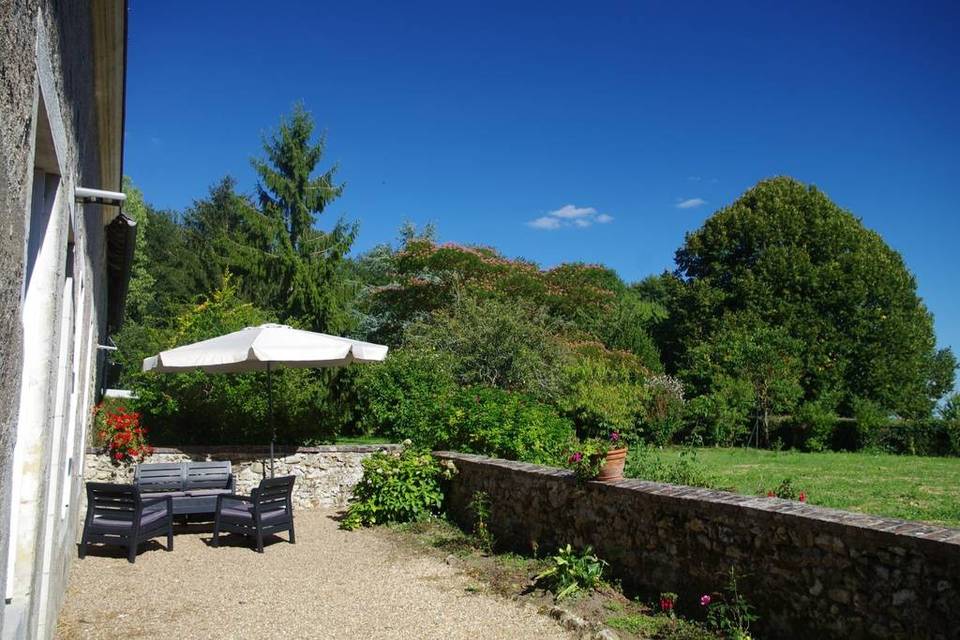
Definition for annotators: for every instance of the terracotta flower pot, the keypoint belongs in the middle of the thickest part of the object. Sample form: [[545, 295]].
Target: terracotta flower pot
[[612, 468]]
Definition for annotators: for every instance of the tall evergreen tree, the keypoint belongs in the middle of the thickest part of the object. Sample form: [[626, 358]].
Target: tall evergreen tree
[[229, 234], [309, 263], [142, 283]]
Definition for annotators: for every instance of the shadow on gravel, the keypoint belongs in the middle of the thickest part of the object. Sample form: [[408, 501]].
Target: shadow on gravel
[[95, 550]]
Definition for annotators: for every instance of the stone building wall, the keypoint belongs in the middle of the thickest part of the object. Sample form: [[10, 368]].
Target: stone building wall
[[809, 572], [326, 475], [51, 141]]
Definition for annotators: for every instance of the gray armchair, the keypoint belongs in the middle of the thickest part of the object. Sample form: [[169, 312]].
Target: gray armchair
[[267, 510], [116, 514]]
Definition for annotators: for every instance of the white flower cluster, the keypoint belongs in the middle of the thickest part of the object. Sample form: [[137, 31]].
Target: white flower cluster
[[671, 385]]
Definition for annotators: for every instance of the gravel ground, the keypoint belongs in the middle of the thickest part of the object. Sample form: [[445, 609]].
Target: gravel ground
[[331, 584]]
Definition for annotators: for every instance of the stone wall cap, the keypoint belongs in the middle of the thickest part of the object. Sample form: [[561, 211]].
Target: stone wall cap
[[263, 451]]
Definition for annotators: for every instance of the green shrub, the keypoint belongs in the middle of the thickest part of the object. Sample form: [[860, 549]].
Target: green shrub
[[639, 624], [397, 487], [414, 396], [403, 398], [480, 508], [603, 391], [814, 425], [663, 410], [929, 437], [869, 419], [684, 630], [494, 343], [729, 613], [571, 572], [646, 463], [507, 425], [722, 417]]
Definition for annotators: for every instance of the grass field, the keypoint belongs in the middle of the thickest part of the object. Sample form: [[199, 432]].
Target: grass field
[[363, 440], [908, 487]]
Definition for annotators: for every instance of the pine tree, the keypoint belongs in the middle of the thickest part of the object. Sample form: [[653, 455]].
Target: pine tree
[[308, 262]]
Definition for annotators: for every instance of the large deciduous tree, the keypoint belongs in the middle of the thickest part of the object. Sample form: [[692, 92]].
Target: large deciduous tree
[[787, 256]]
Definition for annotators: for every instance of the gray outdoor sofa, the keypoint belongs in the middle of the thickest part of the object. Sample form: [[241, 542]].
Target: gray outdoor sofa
[[192, 486]]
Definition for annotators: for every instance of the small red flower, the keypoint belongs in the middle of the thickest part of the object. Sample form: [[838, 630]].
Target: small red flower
[[770, 494], [803, 496]]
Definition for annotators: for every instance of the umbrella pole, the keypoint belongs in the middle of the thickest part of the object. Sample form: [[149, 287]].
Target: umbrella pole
[[273, 428]]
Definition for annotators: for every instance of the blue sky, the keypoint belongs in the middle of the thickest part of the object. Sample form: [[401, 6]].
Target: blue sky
[[598, 131]]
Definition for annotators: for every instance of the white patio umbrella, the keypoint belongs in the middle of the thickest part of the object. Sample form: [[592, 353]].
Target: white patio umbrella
[[262, 349]]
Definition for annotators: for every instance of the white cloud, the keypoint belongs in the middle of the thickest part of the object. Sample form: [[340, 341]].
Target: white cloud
[[690, 203], [569, 212], [545, 222], [570, 216]]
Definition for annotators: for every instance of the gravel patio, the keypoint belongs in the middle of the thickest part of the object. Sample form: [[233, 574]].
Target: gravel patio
[[331, 584]]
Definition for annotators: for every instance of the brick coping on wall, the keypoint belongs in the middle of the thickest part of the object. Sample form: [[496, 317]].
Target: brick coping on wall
[[790, 508], [259, 450]]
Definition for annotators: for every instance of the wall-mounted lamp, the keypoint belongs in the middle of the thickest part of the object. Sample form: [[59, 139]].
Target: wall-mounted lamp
[[99, 196]]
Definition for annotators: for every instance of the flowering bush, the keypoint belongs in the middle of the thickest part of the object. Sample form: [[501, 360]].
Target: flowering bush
[[668, 601], [588, 457], [398, 487], [787, 491], [729, 613], [663, 410], [120, 433]]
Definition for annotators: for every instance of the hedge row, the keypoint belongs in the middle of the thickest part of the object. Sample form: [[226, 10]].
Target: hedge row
[[930, 437]]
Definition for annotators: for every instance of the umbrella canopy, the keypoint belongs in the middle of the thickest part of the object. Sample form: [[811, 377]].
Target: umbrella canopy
[[264, 348], [255, 348]]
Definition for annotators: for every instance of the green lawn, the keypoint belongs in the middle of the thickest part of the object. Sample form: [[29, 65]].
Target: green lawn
[[908, 487], [363, 440]]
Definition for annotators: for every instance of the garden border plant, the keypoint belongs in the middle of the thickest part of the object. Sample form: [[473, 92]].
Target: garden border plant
[[404, 486]]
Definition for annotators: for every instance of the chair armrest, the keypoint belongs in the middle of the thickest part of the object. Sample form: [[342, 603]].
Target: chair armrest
[[234, 496], [152, 501]]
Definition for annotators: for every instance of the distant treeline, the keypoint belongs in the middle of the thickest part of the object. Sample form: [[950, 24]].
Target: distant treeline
[[785, 322]]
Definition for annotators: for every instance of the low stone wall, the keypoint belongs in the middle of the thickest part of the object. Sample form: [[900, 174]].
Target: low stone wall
[[809, 572], [326, 475]]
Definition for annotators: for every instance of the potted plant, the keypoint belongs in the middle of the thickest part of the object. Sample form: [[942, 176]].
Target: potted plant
[[599, 458]]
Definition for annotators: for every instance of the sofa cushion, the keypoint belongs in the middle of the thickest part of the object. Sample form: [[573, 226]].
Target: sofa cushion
[[244, 511], [148, 517]]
